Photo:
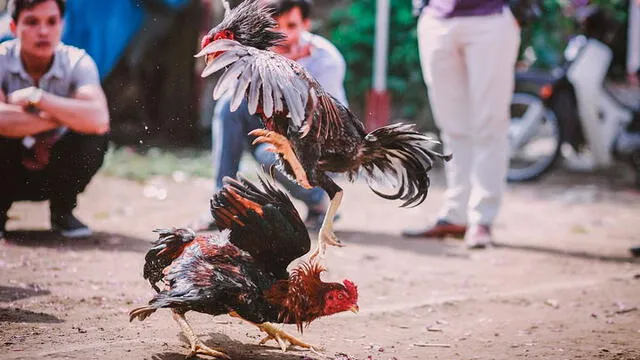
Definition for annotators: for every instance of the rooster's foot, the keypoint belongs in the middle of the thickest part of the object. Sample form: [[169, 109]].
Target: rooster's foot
[[282, 338], [282, 146], [197, 347], [326, 237]]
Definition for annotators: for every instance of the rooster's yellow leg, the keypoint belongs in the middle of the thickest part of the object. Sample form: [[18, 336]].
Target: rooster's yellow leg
[[197, 346], [282, 146], [326, 235], [282, 338]]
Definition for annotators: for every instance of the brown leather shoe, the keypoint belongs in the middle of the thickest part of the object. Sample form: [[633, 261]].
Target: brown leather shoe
[[440, 230]]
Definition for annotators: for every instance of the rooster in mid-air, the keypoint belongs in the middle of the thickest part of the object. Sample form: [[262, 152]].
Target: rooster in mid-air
[[242, 271], [312, 132]]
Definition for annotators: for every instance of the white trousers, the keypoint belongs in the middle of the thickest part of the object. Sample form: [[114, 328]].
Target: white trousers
[[468, 64]]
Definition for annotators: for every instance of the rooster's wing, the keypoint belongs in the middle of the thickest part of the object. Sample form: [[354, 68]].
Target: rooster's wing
[[273, 85], [169, 246], [263, 222]]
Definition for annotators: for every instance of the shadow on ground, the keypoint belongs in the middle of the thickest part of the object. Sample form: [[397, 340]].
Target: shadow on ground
[[99, 240], [14, 315], [577, 254], [433, 247], [455, 248], [237, 350], [12, 293], [617, 177]]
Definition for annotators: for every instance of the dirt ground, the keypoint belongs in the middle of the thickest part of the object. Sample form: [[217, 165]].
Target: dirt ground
[[560, 283]]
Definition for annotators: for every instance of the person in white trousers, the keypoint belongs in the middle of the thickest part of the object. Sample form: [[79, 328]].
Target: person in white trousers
[[468, 50]]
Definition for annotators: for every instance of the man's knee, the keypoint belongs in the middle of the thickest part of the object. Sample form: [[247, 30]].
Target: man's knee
[[10, 164], [9, 154], [79, 155]]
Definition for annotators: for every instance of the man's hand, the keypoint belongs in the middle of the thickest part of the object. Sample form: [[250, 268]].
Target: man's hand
[[22, 97]]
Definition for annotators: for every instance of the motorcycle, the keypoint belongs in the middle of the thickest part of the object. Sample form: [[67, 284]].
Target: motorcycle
[[570, 113]]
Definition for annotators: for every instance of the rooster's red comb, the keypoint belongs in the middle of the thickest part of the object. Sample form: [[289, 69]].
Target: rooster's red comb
[[352, 289]]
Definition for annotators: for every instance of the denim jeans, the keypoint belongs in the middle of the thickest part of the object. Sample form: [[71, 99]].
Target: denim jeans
[[229, 139]]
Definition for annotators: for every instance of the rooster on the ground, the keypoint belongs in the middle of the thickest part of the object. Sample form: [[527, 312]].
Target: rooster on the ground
[[242, 270], [312, 132]]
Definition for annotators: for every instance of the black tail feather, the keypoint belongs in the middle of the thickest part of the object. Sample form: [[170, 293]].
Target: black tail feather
[[401, 152], [168, 247], [263, 222], [141, 313], [224, 209]]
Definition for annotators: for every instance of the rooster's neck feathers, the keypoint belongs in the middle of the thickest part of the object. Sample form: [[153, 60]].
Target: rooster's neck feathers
[[302, 295], [252, 25]]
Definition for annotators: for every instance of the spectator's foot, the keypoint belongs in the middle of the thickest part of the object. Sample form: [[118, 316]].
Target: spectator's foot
[[204, 223], [478, 237], [69, 226], [314, 219], [441, 229]]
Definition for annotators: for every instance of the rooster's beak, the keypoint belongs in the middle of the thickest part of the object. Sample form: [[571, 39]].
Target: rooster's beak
[[209, 58], [354, 309]]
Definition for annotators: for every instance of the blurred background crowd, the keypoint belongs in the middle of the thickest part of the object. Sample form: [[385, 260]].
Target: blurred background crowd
[[144, 50]]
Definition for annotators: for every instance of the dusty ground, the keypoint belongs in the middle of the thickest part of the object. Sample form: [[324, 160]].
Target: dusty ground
[[560, 285]]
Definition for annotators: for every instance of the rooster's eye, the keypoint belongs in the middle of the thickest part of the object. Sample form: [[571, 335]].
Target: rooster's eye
[[339, 296]]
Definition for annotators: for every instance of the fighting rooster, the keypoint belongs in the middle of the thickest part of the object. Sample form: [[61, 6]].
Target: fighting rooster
[[312, 132], [242, 271]]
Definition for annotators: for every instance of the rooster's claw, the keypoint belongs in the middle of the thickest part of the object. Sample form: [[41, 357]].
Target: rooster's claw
[[326, 237], [281, 145], [282, 338]]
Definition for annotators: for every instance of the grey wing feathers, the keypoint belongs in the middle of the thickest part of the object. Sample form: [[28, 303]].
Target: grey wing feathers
[[266, 79]]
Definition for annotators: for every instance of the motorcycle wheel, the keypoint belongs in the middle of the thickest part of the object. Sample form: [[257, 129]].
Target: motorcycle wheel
[[535, 138]]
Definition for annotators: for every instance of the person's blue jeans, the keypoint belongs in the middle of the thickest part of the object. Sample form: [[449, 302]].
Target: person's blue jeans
[[229, 139]]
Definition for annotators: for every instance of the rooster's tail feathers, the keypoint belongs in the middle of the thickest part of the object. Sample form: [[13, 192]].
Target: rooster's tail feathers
[[399, 153], [170, 244], [141, 313], [234, 201]]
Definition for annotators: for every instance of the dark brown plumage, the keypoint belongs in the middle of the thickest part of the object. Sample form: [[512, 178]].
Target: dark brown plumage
[[243, 269], [313, 133]]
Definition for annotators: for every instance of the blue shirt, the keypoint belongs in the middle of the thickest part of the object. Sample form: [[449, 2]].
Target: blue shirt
[[105, 28], [326, 65]]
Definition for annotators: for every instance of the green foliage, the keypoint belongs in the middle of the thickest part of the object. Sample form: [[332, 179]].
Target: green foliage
[[127, 163], [352, 30], [549, 35]]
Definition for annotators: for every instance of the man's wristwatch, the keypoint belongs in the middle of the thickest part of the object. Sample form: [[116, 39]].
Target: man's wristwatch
[[34, 100]]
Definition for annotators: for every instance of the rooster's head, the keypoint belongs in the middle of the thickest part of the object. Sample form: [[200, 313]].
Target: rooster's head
[[249, 23], [341, 297]]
